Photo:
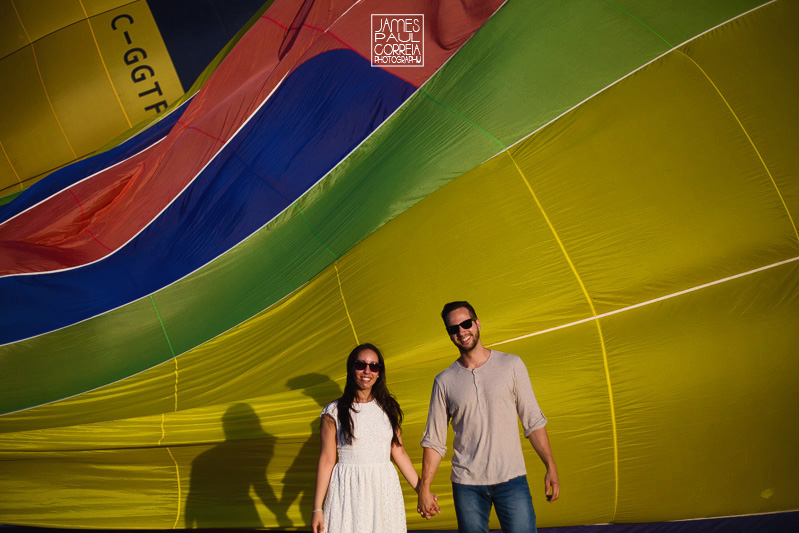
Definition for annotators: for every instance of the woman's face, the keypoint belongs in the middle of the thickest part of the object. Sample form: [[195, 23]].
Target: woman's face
[[365, 378]]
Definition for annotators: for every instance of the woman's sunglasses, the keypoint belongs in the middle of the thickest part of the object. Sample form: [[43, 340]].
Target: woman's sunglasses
[[466, 324], [361, 365]]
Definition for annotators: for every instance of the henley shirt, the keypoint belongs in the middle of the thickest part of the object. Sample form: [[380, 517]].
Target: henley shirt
[[484, 405]]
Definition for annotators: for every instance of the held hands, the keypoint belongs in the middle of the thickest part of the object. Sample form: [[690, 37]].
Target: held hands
[[427, 505]]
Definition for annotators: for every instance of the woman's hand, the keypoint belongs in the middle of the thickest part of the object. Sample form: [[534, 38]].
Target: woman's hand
[[318, 522]]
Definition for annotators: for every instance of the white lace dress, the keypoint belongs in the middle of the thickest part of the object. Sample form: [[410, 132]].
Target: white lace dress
[[364, 495]]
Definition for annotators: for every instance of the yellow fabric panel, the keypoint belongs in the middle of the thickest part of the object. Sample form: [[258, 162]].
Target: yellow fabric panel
[[481, 230], [61, 488], [654, 187], [705, 388], [28, 124], [75, 80]]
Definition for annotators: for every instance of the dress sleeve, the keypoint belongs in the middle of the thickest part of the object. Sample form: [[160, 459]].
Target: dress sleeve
[[526, 405], [435, 433], [332, 410]]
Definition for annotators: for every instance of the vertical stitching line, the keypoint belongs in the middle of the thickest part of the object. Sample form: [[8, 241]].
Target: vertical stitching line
[[85, 227], [338, 277], [579, 280], [177, 472], [102, 60], [598, 327], [314, 233], [754, 147], [50, 102], [163, 415], [639, 21], [36, 62], [448, 108], [344, 300]]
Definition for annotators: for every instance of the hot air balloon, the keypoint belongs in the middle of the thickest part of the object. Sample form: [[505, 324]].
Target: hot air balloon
[[611, 184]]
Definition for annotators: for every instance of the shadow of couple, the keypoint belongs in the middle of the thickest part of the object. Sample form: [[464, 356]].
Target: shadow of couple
[[224, 476]]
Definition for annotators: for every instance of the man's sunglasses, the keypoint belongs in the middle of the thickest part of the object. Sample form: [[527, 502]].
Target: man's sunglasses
[[466, 324], [361, 365]]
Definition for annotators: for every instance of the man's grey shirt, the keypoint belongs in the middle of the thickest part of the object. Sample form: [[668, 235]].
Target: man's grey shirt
[[484, 405]]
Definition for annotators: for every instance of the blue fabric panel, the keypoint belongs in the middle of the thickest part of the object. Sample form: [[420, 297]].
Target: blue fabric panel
[[64, 177], [323, 110], [194, 31]]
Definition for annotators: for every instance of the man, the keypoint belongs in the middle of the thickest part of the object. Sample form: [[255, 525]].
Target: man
[[484, 392]]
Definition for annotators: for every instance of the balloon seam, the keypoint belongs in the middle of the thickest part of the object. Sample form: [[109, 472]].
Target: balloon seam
[[50, 102], [163, 416], [180, 494], [445, 106], [749, 138], [598, 327], [310, 228], [628, 75], [105, 68], [642, 23], [650, 302], [344, 301], [83, 219], [163, 328]]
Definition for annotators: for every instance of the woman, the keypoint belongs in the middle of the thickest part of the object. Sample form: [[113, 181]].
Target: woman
[[363, 489]]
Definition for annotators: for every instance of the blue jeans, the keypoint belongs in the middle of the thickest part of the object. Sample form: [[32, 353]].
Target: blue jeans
[[511, 499]]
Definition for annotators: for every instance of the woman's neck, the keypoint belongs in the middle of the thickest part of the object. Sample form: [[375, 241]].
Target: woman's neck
[[363, 397]]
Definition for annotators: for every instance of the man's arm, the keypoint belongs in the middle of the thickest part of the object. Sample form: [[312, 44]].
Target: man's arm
[[427, 505], [540, 441]]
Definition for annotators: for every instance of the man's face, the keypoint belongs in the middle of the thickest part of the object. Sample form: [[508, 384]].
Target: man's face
[[464, 339]]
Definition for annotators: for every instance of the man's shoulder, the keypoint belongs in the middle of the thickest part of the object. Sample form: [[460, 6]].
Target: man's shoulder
[[507, 358], [448, 373], [507, 363]]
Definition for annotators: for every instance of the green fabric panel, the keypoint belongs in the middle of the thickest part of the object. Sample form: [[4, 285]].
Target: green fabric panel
[[80, 358], [422, 147], [6, 199]]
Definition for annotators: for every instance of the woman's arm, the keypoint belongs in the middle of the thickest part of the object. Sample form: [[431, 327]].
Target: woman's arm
[[404, 463], [327, 460]]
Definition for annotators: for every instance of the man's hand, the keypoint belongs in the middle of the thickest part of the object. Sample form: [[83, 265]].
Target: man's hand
[[427, 505], [540, 442], [551, 485]]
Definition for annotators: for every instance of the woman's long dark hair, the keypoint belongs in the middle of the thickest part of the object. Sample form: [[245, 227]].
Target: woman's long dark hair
[[380, 393]]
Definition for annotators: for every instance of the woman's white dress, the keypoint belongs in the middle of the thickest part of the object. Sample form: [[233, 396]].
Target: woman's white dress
[[364, 494]]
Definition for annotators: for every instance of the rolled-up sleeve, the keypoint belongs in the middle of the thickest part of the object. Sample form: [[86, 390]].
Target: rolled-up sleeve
[[435, 433], [526, 405]]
